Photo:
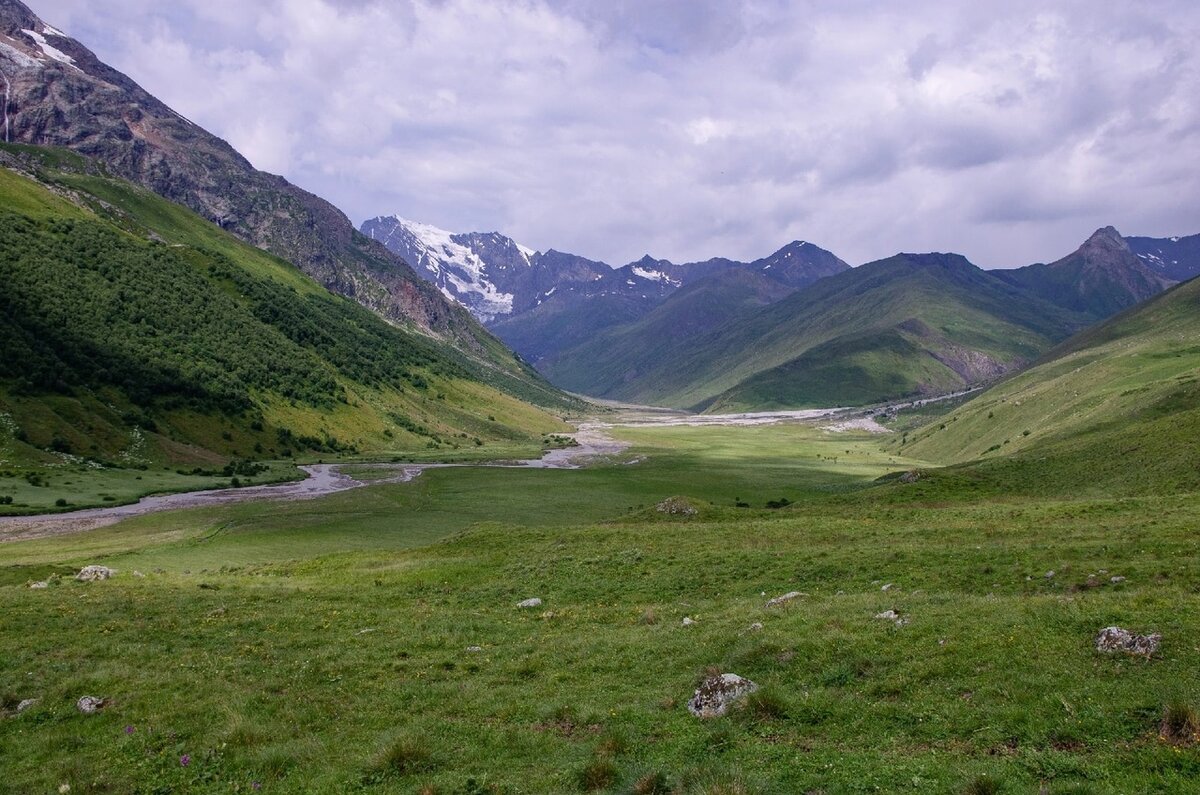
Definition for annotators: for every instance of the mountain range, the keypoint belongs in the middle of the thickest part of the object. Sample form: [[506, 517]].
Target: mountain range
[[798, 328]]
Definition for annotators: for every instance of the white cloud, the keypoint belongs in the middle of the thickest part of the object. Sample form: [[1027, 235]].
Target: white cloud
[[618, 127]]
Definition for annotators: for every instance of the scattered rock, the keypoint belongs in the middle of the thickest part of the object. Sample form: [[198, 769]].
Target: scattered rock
[[1050, 575], [675, 506], [1117, 579], [893, 616], [688, 621], [474, 649], [717, 692], [887, 587], [755, 627], [787, 597], [911, 476], [1112, 639], [94, 573], [38, 586], [26, 704], [366, 631], [90, 705], [534, 602], [138, 574]]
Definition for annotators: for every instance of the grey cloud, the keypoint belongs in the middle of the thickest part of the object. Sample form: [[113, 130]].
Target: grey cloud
[[696, 128]]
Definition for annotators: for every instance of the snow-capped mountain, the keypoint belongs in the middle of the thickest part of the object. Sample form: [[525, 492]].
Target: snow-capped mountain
[[468, 268]]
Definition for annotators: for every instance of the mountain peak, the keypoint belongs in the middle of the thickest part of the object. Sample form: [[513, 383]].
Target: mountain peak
[[1106, 238]]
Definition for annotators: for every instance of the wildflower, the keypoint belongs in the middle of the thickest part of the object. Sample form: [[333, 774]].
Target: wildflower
[[130, 730], [185, 760]]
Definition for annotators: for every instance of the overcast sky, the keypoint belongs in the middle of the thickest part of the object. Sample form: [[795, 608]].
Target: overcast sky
[[697, 128]]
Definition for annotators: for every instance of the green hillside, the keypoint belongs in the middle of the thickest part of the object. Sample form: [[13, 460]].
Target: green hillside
[[135, 335], [909, 325], [1114, 409], [625, 353]]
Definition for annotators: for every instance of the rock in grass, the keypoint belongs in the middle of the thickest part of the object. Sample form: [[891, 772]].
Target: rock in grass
[[26, 704], [911, 476], [90, 705], [755, 627], [1112, 639], [893, 616], [676, 506], [39, 586], [717, 693], [534, 602], [787, 597], [93, 573], [688, 621]]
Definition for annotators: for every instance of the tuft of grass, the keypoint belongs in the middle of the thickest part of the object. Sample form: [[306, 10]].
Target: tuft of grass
[[649, 617], [764, 704], [600, 773], [983, 785], [652, 783], [1180, 723], [402, 756]]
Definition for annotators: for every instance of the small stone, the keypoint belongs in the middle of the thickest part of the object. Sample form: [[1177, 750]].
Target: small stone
[[688, 621], [39, 586], [90, 705], [717, 693], [887, 587], [787, 597], [941, 641], [1117, 579], [887, 615], [755, 627], [1050, 575], [26, 704], [474, 649], [1111, 639], [534, 602], [138, 574], [94, 573]]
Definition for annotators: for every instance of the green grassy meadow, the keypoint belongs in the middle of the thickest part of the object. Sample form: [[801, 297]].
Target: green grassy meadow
[[324, 646]]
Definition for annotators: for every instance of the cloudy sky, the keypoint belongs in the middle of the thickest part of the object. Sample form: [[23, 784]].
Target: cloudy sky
[[698, 128]]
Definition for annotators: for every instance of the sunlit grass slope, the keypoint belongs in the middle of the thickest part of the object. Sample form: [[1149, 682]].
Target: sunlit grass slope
[[1114, 410], [135, 334]]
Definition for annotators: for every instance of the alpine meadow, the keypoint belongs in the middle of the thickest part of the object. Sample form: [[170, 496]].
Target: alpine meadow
[[295, 503]]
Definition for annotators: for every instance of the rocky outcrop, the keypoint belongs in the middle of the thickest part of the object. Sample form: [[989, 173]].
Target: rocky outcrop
[[1114, 639]]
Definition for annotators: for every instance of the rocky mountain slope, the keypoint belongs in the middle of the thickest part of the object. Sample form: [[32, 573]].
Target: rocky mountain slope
[[59, 94], [1100, 278]]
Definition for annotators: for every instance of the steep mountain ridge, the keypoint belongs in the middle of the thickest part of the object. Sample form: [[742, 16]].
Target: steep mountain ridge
[[60, 94]]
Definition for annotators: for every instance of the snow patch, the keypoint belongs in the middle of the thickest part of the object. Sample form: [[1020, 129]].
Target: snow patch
[[52, 52], [49, 31], [653, 276], [19, 58]]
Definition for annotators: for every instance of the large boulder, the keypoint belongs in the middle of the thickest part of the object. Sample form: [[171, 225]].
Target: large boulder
[[717, 693]]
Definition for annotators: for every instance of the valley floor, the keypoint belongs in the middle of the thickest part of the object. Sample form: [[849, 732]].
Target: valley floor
[[371, 639]]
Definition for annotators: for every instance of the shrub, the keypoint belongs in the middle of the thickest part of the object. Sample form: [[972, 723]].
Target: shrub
[[983, 785], [654, 783]]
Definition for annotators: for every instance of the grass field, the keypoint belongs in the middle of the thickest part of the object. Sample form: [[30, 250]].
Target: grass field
[[323, 646]]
